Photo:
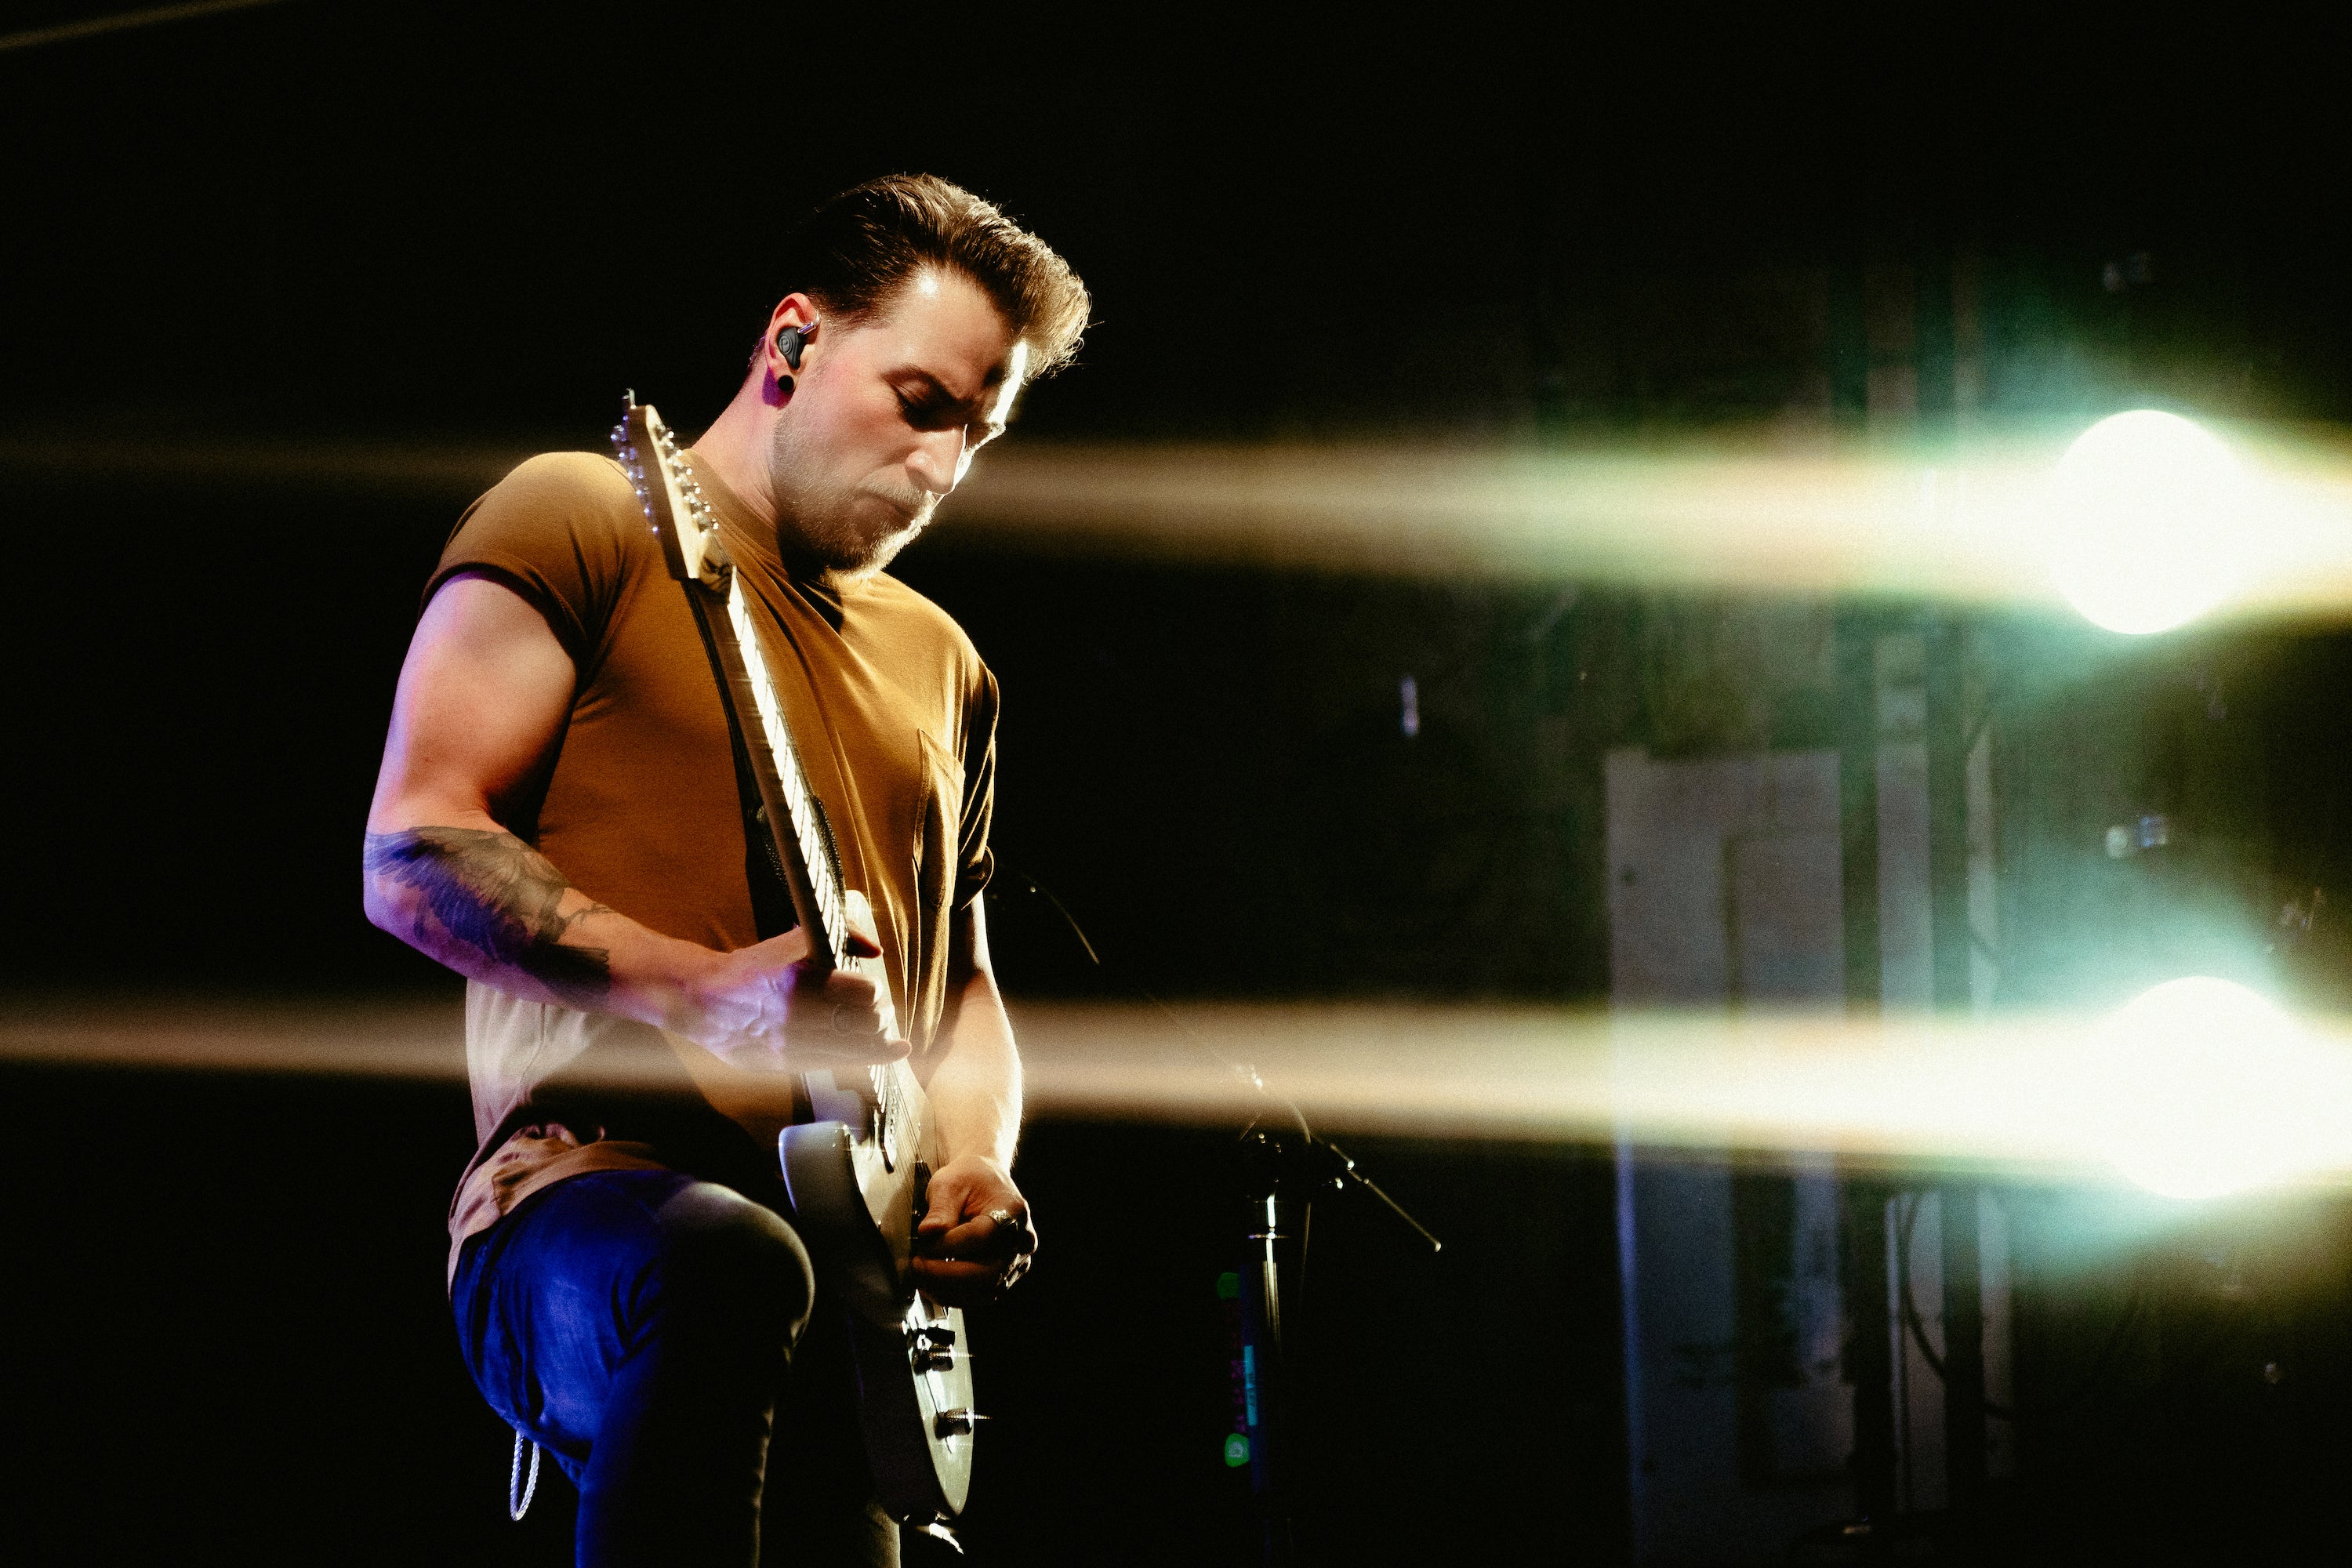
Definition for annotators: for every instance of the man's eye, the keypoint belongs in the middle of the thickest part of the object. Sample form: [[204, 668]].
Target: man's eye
[[922, 412]]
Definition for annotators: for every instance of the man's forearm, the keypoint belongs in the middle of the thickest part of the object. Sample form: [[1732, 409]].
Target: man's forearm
[[976, 1091], [491, 907]]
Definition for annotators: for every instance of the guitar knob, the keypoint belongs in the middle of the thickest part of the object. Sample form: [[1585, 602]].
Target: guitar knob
[[932, 1349], [957, 1423]]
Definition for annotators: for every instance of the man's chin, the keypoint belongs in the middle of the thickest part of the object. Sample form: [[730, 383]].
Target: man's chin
[[864, 548], [891, 529], [885, 549]]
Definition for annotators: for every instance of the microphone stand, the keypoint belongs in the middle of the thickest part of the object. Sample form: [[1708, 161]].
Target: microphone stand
[[1281, 1171], [1281, 1174]]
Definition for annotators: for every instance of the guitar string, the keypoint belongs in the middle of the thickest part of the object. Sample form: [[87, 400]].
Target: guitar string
[[816, 853]]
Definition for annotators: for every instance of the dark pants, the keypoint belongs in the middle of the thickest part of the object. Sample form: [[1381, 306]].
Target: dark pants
[[649, 1332]]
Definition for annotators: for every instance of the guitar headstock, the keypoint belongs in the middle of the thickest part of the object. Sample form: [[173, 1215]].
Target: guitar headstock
[[674, 504]]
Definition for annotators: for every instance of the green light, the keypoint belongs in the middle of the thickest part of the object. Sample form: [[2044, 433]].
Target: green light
[[1237, 1445], [1229, 1286]]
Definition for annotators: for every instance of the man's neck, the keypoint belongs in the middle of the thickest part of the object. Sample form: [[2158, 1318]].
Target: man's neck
[[736, 448]]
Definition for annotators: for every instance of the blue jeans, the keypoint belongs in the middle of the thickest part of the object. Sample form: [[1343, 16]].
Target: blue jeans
[[648, 1331]]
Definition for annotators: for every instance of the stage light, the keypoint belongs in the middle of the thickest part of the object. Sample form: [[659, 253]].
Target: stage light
[[2147, 522], [2203, 1088]]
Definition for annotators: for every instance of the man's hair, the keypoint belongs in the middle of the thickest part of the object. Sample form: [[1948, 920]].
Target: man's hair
[[856, 248]]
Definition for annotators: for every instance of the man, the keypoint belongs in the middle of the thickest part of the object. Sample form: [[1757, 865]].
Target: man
[[558, 820]]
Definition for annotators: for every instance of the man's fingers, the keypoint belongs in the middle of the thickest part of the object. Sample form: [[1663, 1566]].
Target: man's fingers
[[842, 1017], [817, 989], [977, 1238], [864, 938], [850, 1050], [958, 1283], [782, 951], [983, 1236]]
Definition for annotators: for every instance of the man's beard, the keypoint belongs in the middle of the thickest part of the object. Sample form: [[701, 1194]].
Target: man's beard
[[834, 523]]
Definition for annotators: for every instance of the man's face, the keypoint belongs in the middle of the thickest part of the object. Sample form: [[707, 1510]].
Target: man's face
[[886, 416]]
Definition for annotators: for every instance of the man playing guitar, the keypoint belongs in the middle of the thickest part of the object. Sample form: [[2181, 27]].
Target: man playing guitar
[[561, 819]]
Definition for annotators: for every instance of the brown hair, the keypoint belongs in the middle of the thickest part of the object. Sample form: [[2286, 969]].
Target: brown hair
[[856, 248]]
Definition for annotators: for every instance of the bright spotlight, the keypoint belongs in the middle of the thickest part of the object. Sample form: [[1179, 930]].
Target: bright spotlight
[[2147, 522], [2205, 1088]]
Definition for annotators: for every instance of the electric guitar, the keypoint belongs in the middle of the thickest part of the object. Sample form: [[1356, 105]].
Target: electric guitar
[[857, 1169]]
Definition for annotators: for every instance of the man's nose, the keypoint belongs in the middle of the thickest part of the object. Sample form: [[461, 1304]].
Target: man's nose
[[937, 461]]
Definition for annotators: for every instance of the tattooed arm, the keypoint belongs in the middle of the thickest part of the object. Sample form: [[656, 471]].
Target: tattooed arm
[[483, 902], [482, 703]]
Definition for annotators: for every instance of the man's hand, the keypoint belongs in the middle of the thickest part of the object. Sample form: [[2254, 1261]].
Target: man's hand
[[976, 1236], [762, 1008]]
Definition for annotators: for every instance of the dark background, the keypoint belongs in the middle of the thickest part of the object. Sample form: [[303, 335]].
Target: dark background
[[309, 224]]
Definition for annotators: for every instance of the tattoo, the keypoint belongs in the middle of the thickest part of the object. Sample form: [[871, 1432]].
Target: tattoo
[[493, 895]]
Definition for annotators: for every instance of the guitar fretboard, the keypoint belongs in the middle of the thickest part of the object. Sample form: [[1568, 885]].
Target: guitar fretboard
[[810, 831], [809, 828]]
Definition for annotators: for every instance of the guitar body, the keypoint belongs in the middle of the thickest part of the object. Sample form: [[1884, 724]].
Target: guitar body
[[857, 1168], [856, 1203]]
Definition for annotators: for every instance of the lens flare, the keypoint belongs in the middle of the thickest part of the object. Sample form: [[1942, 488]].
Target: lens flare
[[2210, 1089], [2148, 515], [2197, 1088]]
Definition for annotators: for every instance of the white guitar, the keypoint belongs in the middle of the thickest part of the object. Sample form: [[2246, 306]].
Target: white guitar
[[856, 1171]]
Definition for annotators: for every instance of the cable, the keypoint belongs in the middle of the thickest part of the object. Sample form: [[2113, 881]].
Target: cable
[[1908, 1215], [515, 1511], [1343, 1166]]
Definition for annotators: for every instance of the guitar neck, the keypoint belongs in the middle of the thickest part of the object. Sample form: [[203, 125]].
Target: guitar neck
[[800, 836]]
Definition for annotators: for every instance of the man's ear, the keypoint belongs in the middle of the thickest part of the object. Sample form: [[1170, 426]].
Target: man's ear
[[790, 327]]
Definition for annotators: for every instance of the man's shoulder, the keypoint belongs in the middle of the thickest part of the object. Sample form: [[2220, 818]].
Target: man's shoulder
[[580, 484], [563, 528]]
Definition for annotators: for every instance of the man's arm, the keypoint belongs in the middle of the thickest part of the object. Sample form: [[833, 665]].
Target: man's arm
[[482, 702], [976, 1099]]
